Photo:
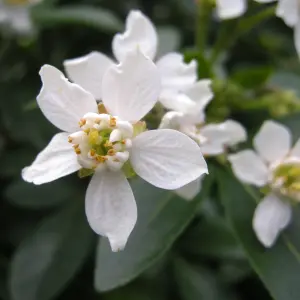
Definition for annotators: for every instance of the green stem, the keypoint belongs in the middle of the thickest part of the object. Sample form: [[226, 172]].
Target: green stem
[[202, 24]]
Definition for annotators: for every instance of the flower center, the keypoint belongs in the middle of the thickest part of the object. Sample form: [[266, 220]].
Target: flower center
[[103, 142], [286, 179]]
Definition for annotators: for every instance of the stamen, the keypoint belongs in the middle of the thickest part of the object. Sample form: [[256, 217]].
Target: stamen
[[70, 140], [113, 122], [82, 122], [111, 152]]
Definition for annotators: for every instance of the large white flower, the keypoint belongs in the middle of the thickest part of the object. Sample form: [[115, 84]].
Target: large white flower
[[228, 9], [189, 118], [276, 166], [175, 74], [106, 143], [16, 14], [289, 11]]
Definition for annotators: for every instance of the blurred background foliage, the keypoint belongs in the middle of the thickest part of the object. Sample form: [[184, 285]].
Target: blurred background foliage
[[178, 250]]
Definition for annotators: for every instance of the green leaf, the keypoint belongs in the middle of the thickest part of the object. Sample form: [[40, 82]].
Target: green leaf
[[28, 195], [283, 258], [162, 217], [251, 77], [195, 282], [286, 80], [212, 237], [48, 259], [101, 19]]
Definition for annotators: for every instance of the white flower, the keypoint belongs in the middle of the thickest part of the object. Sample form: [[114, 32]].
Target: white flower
[[228, 9], [276, 166], [176, 75], [189, 118], [104, 143], [16, 14], [289, 11]]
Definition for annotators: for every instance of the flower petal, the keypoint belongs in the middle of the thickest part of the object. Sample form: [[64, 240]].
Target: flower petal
[[63, 103], [140, 32], [249, 167], [271, 216], [58, 159], [130, 89], [288, 10], [273, 141], [110, 207], [88, 70], [175, 73], [191, 190], [235, 133], [227, 9], [167, 158]]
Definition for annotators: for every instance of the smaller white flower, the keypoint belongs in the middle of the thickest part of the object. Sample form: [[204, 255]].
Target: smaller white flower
[[289, 11], [276, 166], [189, 118], [229, 9], [175, 74], [16, 14], [105, 143]]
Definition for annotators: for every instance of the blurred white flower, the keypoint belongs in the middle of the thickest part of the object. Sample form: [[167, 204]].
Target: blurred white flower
[[16, 14], [275, 166], [289, 11], [175, 74], [229, 9], [189, 118], [105, 142]]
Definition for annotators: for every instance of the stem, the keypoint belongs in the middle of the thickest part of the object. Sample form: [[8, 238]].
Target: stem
[[202, 21]]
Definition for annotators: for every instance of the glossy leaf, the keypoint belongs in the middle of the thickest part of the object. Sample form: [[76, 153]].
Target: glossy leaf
[[162, 216], [51, 256], [283, 258]]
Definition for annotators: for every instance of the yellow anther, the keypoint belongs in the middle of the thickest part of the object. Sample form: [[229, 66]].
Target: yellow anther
[[70, 140], [82, 122], [108, 144], [94, 137], [112, 122], [87, 131], [123, 142], [92, 152], [111, 152], [77, 150], [102, 109], [17, 2], [101, 158]]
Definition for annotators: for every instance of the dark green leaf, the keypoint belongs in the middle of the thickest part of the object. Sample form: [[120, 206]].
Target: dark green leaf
[[45, 262], [162, 216], [96, 17], [252, 76], [283, 258], [29, 195], [196, 282]]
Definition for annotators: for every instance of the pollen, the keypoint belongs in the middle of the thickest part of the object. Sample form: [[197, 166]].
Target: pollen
[[108, 144], [87, 131], [92, 152], [101, 158], [102, 109], [113, 122], [82, 122], [77, 150], [111, 152], [70, 140], [94, 137]]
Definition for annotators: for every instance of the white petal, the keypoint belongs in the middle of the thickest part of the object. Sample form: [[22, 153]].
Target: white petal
[[177, 101], [273, 141], [296, 149], [212, 148], [227, 9], [139, 32], [288, 10], [235, 133], [110, 207], [271, 216], [297, 36], [58, 159], [248, 167], [191, 190], [88, 70], [63, 103], [175, 73], [130, 89], [200, 93], [167, 158]]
